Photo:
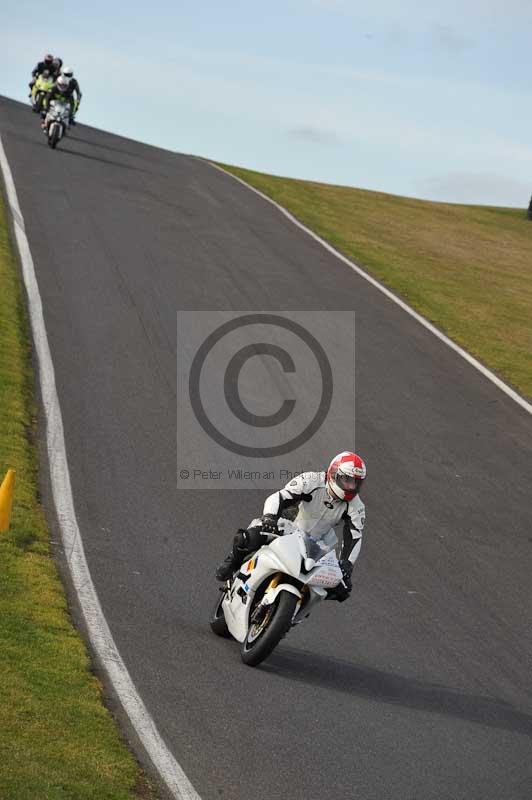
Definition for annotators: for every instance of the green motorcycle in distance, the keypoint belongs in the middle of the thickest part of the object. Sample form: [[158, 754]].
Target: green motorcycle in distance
[[42, 85]]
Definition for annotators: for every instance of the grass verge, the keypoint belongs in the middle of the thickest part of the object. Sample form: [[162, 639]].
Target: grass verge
[[467, 269], [57, 739]]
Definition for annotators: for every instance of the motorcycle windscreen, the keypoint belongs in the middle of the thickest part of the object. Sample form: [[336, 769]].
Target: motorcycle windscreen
[[288, 550]]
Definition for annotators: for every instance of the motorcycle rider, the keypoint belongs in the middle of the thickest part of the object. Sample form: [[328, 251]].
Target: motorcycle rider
[[45, 64], [49, 62], [59, 91], [317, 501], [68, 73]]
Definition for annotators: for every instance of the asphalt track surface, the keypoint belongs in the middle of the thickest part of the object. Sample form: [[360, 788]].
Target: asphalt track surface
[[420, 685]]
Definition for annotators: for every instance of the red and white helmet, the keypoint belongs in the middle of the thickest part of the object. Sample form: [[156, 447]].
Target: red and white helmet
[[345, 476]]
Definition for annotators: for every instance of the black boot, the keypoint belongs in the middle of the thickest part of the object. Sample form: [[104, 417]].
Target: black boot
[[244, 543], [226, 569]]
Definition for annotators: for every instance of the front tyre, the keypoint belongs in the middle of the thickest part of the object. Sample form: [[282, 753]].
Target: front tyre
[[264, 636], [217, 621], [54, 135]]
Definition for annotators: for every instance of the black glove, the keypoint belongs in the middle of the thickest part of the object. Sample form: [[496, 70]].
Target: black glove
[[269, 523], [343, 590]]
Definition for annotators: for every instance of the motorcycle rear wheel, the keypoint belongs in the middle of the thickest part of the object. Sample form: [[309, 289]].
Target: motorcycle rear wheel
[[217, 621], [257, 647]]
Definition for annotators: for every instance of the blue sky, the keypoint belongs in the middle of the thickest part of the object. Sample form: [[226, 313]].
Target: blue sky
[[417, 98]]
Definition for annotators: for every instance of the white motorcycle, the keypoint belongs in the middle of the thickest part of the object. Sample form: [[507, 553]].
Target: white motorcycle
[[57, 121], [275, 589]]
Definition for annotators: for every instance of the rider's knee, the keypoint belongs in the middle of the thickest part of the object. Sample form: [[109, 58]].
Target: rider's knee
[[240, 542], [255, 538], [247, 541]]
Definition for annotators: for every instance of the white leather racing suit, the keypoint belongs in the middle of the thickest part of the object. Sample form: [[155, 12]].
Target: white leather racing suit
[[317, 513]]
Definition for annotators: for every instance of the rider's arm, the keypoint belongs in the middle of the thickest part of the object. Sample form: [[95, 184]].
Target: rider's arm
[[354, 519], [294, 492], [74, 86]]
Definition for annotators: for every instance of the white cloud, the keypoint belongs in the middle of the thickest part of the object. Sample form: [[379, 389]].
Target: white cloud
[[415, 14], [448, 38], [313, 134], [477, 187]]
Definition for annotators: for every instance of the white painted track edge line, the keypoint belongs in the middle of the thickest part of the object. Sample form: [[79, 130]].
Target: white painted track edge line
[[393, 297], [99, 633]]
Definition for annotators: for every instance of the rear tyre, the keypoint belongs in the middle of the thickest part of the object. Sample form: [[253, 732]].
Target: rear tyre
[[263, 638], [217, 621]]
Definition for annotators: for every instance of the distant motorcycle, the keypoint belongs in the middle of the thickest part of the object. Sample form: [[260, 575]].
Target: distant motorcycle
[[42, 85], [275, 589], [56, 121]]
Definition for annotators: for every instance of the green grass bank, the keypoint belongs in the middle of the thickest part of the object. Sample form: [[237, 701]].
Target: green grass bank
[[467, 269], [57, 739]]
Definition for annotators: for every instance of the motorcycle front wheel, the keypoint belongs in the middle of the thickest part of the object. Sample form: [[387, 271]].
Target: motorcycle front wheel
[[217, 621], [53, 135], [264, 635]]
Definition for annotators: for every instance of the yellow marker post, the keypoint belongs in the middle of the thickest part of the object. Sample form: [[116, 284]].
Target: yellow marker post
[[6, 500]]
